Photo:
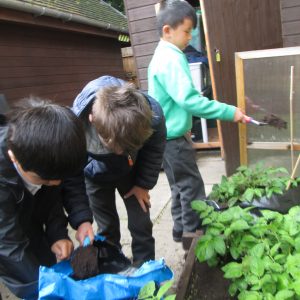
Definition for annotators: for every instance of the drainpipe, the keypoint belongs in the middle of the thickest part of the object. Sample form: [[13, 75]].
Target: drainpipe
[[38, 11]]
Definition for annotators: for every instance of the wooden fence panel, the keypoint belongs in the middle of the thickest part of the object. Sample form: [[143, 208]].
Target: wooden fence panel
[[53, 64], [129, 65], [290, 19]]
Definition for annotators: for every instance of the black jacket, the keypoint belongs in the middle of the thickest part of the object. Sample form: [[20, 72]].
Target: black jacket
[[29, 224], [104, 166]]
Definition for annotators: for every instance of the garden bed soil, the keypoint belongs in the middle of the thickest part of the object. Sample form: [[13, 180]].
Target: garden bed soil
[[199, 281]]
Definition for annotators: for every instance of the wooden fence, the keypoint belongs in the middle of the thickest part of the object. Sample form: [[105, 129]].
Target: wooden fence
[[129, 65]]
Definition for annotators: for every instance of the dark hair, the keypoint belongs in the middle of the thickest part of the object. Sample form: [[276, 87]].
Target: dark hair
[[46, 138], [173, 13], [122, 117]]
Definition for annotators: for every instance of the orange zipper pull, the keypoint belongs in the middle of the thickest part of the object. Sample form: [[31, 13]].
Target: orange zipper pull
[[130, 161]]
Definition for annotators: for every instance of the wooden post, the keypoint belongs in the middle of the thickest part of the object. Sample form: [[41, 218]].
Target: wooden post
[[292, 115], [212, 74], [129, 65], [240, 89], [293, 172]]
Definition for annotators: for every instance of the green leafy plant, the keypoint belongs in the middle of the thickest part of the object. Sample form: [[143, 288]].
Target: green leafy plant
[[260, 255], [249, 183], [150, 291]]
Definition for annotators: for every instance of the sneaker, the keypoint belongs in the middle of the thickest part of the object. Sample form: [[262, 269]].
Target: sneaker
[[177, 236]]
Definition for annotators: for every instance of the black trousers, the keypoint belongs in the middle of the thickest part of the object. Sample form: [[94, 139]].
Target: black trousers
[[21, 278], [185, 181], [103, 204]]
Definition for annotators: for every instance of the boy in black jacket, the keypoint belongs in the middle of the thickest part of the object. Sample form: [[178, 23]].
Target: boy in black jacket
[[41, 145], [126, 133]]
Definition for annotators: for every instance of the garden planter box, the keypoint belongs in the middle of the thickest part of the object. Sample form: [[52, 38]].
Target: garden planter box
[[199, 281], [280, 203]]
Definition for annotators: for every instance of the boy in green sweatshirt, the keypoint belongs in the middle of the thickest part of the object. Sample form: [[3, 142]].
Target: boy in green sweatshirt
[[170, 83]]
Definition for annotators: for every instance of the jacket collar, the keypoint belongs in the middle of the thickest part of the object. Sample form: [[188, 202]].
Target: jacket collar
[[8, 173], [165, 44]]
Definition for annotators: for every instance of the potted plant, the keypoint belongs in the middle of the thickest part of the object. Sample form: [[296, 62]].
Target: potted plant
[[258, 186], [255, 251], [259, 254]]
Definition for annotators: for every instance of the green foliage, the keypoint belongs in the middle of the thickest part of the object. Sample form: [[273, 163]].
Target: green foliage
[[149, 291], [260, 255], [117, 4], [247, 184]]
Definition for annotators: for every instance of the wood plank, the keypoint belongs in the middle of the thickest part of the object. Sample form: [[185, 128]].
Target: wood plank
[[7, 72], [27, 81], [146, 49], [141, 13], [240, 87], [143, 25], [134, 4], [143, 61], [269, 53], [289, 3], [8, 51], [186, 274], [273, 146], [25, 61], [144, 85], [127, 52], [291, 28], [290, 14], [291, 41], [213, 140], [143, 73], [209, 145], [145, 37]]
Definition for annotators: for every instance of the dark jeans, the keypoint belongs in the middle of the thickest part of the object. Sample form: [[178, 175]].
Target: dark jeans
[[186, 183], [103, 204], [22, 278]]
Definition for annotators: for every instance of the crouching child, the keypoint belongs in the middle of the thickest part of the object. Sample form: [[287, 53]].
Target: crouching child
[[41, 146]]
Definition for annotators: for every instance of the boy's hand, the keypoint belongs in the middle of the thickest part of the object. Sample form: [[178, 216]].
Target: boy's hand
[[62, 249], [85, 229], [239, 116], [141, 195]]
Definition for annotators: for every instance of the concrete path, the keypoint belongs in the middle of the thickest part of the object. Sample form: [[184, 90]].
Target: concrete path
[[212, 168]]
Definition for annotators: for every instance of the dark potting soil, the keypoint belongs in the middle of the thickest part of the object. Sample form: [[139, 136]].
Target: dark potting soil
[[275, 121], [84, 262], [99, 258], [207, 283]]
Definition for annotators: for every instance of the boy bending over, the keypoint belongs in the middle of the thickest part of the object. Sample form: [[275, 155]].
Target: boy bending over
[[125, 131], [41, 145]]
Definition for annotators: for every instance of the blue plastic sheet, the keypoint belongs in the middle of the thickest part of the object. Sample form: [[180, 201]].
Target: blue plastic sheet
[[56, 283]]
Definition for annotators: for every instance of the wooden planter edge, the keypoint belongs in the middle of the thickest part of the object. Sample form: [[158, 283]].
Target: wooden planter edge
[[186, 273]]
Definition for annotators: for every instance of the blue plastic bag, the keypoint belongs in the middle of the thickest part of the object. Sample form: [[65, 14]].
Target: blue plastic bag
[[56, 283]]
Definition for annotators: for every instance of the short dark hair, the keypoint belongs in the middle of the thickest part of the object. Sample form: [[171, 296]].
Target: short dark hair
[[122, 117], [47, 139], [173, 13]]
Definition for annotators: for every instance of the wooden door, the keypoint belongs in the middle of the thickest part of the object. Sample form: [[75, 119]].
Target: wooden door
[[232, 26]]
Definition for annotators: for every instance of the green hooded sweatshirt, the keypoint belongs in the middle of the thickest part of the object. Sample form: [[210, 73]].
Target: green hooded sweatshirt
[[170, 83]]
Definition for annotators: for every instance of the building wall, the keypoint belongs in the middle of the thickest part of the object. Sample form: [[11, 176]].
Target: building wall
[[143, 34], [144, 37], [51, 63], [290, 18]]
